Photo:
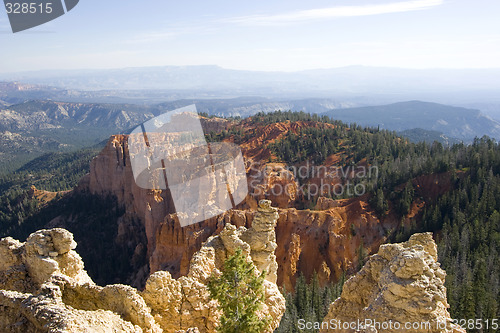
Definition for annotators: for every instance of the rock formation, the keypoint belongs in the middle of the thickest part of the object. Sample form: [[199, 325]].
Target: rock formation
[[44, 288], [262, 240], [400, 285], [331, 249], [185, 302], [275, 182]]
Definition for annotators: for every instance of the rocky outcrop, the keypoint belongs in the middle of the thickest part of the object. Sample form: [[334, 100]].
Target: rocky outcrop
[[275, 182], [262, 240], [45, 312], [111, 175], [25, 267], [329, 241], [185, 302], [400, 285], [44, 288]]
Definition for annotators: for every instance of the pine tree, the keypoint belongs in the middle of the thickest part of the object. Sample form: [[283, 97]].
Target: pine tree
[[380, 202], [240, 293], [316, 297], [406, 199], [301, 295]]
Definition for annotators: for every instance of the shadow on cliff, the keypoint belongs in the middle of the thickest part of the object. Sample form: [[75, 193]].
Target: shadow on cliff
[[113, 249]]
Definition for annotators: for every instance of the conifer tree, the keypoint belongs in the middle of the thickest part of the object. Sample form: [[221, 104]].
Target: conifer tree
[[240, 293]]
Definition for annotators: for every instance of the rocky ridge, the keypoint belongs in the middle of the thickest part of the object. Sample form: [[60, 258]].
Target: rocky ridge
[[402, 284], [44, 288]]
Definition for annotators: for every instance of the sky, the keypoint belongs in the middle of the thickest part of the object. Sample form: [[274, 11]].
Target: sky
[[263, 35]]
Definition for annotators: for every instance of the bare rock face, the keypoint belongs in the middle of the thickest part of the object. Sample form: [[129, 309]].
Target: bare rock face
[[262, 240], [274, 182], [400, 285], [185, 303], [44, 287], [328, 241]]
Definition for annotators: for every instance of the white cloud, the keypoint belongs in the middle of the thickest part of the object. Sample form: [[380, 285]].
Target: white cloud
[[335, 12], [213, 26]]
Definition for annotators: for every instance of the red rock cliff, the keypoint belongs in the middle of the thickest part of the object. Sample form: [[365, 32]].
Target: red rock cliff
[[328, 240]]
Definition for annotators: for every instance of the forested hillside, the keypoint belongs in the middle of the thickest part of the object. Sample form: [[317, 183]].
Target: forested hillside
[[464, 216], [39, 191], [457, 122], [52, 172]]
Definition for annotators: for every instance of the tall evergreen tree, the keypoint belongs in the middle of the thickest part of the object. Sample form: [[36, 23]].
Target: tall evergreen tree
[[240, 293]]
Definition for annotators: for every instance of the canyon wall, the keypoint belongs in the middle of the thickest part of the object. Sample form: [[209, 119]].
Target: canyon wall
[[329, 240]]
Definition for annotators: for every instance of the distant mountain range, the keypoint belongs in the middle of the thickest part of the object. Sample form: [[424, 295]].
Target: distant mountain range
[[455, 122], [377, 85], [43, 115]]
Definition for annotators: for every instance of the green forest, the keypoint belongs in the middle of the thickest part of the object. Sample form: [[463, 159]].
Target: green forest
[[309, 301], [105, 261], [53, 172]]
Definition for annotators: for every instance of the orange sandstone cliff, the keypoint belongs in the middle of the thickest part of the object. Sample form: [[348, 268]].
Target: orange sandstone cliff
[[328, 240]]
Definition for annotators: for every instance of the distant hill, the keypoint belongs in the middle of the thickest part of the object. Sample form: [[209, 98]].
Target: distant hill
[[457, 122], [40, 115], [420, 135], [249, 106], [30, 129]]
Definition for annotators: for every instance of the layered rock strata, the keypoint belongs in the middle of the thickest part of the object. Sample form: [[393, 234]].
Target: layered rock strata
[[334, 232]]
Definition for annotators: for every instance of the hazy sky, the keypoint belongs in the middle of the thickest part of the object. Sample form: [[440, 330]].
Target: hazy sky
[[260, 35]]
